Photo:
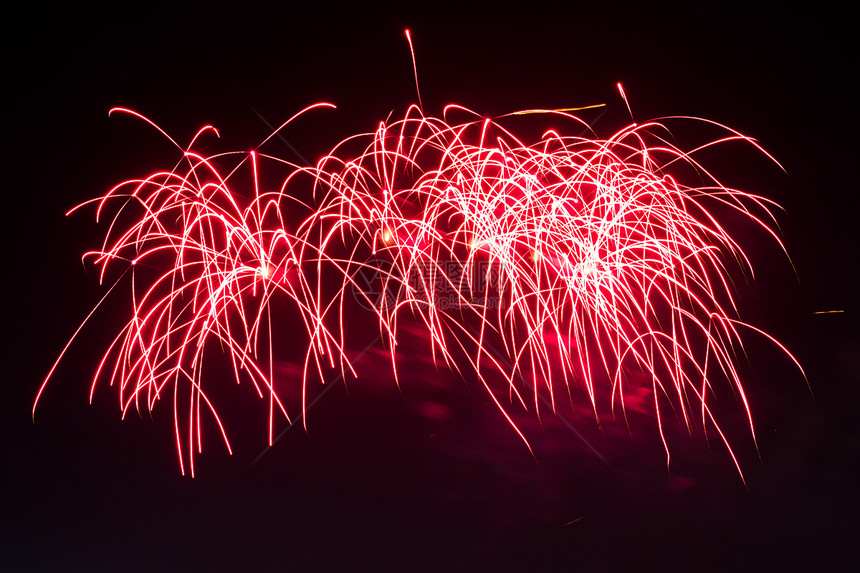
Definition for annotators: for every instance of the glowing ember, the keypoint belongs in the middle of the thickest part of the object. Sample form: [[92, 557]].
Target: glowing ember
[[537, 266]]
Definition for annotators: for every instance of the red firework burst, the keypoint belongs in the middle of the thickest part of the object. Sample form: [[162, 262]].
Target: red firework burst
[[569, 260]]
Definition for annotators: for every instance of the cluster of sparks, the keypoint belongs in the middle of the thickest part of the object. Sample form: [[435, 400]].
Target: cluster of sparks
[[538, 267]]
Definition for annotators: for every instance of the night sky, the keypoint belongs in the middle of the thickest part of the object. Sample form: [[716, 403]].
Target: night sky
[[428, 477]]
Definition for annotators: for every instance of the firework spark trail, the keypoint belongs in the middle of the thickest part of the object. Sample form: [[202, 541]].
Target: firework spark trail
[[583, 259]]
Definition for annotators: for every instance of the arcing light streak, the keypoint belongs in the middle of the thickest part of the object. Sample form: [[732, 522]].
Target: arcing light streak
[[586, 260]]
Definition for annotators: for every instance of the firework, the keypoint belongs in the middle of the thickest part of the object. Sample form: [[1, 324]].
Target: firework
[[535, 266], [581, 259], [204, 264]]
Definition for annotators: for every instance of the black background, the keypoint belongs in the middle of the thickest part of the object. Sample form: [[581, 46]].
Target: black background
[[380, 481]]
